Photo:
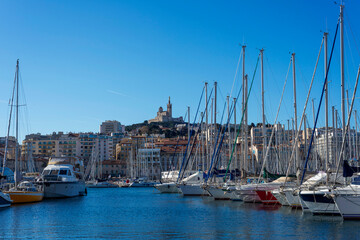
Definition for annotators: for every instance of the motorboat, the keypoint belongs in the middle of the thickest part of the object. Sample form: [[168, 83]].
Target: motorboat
[[63, 177]]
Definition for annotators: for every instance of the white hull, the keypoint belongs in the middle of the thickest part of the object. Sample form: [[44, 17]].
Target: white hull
[[167, 188], [218, 193], [248, 196], [64, 189], [348, 205], [193, 190], [318, 203], [292, 198], [280, 196]]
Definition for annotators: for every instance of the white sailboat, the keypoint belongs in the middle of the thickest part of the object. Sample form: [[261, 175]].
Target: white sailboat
[[22, 191]]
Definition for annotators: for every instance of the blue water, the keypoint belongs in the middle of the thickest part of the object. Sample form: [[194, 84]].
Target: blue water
[[128, 213]]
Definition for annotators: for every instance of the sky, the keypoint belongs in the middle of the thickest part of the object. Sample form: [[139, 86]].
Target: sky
[[84, 62]]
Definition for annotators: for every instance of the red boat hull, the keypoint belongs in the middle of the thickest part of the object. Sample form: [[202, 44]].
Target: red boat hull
[[267, 197]]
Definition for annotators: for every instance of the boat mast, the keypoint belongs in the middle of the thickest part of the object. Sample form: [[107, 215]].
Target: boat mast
[[206, 126], [334, 136], [295, 119], [243, 107], [189, 139], [326, 110], [235, 142], [17, 125], [356, 136], [262, 105], [342, 68], [229, 132], [246, 125]]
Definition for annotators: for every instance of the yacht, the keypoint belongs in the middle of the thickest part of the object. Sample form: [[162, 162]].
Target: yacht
[[63, 177]]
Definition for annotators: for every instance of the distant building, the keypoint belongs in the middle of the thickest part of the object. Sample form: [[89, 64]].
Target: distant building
[[166, 116], [109, 127]]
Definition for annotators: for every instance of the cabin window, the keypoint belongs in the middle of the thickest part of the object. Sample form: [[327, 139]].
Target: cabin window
[[54, 172], [46, 172], [63, 172], [69, 173]]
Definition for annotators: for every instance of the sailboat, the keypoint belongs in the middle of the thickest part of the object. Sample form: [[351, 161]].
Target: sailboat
[[93, 173], [22, 191]]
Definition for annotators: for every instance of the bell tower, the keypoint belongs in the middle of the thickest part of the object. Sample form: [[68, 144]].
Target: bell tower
[[169, 108]]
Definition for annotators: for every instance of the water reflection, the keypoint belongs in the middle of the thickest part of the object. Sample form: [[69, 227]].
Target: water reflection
[[144, 214]]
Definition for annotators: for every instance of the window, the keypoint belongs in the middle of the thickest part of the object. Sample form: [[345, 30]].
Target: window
[[54, 172], [63, 172]]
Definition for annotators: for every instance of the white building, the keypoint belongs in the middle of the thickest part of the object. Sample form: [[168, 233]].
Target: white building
[[109, 127]]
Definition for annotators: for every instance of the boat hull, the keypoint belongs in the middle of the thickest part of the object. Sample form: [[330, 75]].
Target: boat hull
[[267, 197], [248, 196], [64, 189], [293, 199], [349, 206], [5, 200], [280, 196], [318, 203], [167, 188], [193, 190], [25, 197], [218, 193]]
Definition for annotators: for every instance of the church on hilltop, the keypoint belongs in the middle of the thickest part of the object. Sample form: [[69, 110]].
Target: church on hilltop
[[165, 116]]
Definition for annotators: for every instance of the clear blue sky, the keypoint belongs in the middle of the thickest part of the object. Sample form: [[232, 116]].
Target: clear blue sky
[[83, 62]]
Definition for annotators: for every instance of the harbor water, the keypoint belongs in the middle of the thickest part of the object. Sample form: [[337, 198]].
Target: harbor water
[[128, 213]]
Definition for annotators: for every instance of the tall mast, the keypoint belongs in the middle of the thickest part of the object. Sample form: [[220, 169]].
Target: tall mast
[[356, 136], [189, 153], [206, 124], [215, 86], [246, 125], [235, 142], [335, 136], [17, 124], [243, 107], [262, 104], [342, 67], [228, 112], [326, 110], [295, 119]]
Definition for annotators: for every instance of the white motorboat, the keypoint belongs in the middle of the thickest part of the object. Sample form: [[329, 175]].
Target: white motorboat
[[63, 178]]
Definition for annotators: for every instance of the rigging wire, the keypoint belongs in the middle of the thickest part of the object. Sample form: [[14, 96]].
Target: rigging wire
[[321, 98]]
